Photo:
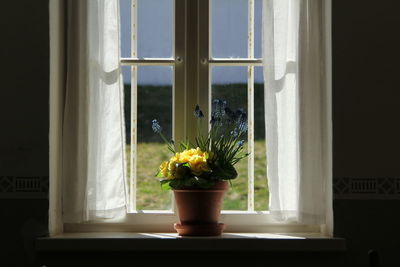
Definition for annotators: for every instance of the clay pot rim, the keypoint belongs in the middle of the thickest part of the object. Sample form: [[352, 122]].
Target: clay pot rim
[[199, 190], [219, 186]]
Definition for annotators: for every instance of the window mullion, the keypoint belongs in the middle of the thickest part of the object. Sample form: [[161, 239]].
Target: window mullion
[[133, 130], [179, 81], [250, 107], [204, 83], [179, 71], [192, 67]]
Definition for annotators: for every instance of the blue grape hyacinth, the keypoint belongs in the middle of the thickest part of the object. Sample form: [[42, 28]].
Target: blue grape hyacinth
[[234, 133], [240, 143], [218, 108], [198, 113], [156, 126]]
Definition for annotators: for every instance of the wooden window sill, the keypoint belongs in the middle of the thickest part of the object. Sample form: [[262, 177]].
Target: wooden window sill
[[148, 242]]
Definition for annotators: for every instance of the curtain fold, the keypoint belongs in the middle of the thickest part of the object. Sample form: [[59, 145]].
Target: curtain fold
[[297, 110], [93, 180]]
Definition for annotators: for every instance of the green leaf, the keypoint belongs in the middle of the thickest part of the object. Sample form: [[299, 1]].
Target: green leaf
[[184, 146], [165, 184], [226, 172], [204, 183], [189, 182], [177, 183], [182, 171], [159, 174], [184, 164]]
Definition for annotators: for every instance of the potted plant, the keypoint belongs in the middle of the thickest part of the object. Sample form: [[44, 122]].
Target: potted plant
[[198, 172]]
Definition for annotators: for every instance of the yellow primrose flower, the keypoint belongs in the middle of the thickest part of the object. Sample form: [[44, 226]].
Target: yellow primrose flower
[[198, 164], [164, 168], [171, 169], [196, 158], [193, 152]]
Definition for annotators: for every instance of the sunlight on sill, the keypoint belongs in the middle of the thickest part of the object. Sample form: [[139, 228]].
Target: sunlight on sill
[[225, 235], [176, 236]]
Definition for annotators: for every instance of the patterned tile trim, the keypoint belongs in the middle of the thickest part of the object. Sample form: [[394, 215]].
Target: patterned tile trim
[[366, 188], [24, 187], [343, 188]]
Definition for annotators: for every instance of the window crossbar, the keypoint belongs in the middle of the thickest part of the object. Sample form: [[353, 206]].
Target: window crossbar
[[235, 62], [172, 61], [147, 61]]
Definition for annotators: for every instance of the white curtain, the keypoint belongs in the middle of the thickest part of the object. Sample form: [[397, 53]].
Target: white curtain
[[93, 180], [297, 106]]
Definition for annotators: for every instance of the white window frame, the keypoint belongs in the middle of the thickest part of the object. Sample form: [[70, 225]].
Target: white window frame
[[194, 77]]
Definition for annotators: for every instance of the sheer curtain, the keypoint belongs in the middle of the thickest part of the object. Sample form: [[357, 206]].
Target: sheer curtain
[[297, 103], [86, 50]]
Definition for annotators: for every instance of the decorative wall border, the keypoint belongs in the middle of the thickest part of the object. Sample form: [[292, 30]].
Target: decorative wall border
[[16, 187], [366, 188]]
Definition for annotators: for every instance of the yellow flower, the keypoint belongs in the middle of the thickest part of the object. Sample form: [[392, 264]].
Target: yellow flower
[[187, 154], [196, 158], [177, 158], [164, 168], [198, 164], [171, 169]]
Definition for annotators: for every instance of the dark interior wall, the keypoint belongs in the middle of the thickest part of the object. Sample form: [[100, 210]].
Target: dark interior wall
[[24, 121], [366, 110], [365, 115], [366, 104], [24, 112]]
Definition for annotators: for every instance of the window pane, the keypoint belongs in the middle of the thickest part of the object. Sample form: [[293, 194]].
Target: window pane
[[261, 194], [154, 102], [155, 28], [257, 28], [230, 84], [125, 16], [229, 28]]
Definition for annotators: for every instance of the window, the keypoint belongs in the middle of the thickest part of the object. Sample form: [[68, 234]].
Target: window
[[192, 52], [221, 58]]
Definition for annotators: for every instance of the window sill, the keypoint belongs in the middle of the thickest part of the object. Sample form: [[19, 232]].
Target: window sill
[[148, 242]]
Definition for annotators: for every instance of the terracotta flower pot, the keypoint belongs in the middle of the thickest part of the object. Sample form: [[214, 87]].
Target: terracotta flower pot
[[199, 210]]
